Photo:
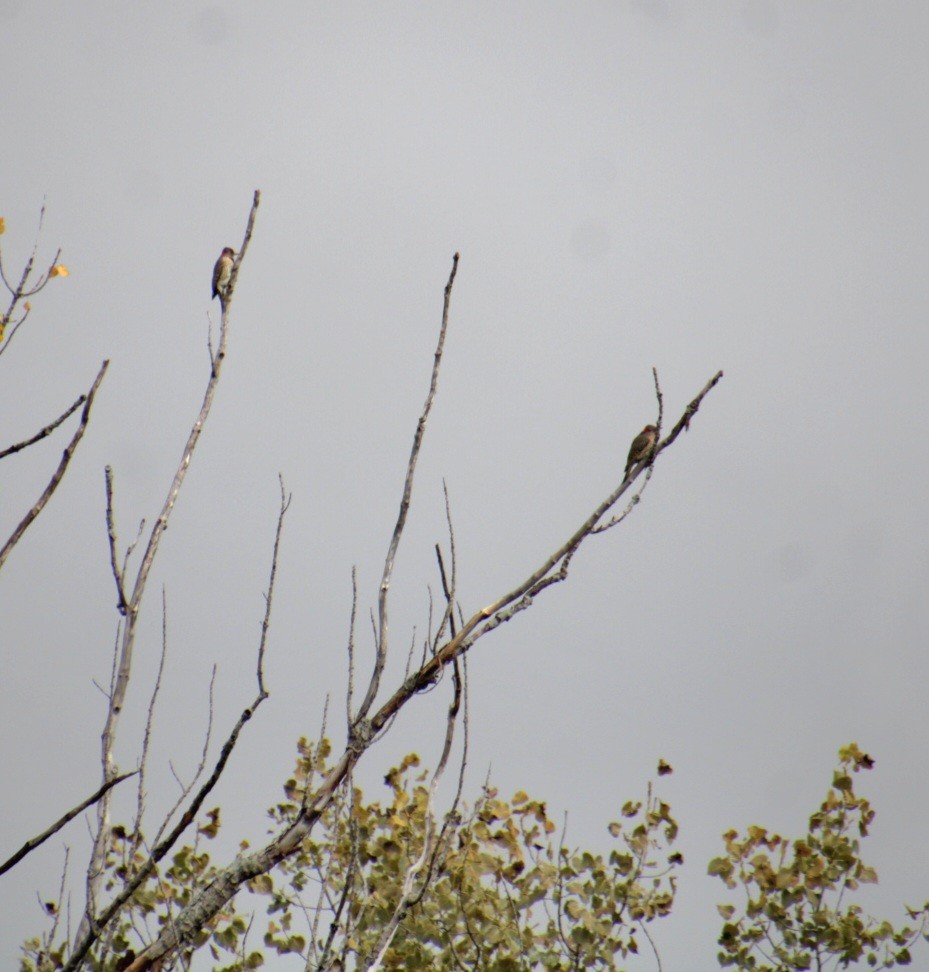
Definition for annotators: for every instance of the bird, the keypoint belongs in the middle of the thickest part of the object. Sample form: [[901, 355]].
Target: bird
[[642, 447], [222, 271]]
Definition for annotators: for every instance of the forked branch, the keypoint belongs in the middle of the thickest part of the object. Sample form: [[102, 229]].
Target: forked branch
[[129, 603], [380, 658], [58, 474], [42, 433], [96, 928]]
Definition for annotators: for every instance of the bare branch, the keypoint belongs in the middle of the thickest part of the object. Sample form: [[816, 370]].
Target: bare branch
[[187, 788], [147, 735], [164, 846], [44, 432], [122, 605], [660, 398], [226, 300], [34, 842], [21, 291], [266, 620], [382, 629], [161, 848], [58, 475], [350, 686], [684, 421], [448, 615], [133, 604]]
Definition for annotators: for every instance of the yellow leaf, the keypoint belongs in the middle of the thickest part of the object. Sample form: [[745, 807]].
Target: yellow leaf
[[59, 270], [2, 224], [520, 796]]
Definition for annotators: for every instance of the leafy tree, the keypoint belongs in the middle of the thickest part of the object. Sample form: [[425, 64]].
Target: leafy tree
[[394, 884], [497, 890], [797, 913]]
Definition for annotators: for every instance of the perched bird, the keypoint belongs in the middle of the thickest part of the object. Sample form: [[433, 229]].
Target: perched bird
[[641, 448], [222, 272]]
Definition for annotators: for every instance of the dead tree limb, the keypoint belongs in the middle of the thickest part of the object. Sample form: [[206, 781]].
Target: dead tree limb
[[58, 475], [382, 623], [131, 606], [35, 842], [42, 433], [101, 921]]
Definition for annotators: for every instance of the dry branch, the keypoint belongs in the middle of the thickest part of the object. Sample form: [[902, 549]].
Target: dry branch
[[58, 475], [131, 606], [34, 842], [382, 627], [44, 432], [21, 291], [162, 847]]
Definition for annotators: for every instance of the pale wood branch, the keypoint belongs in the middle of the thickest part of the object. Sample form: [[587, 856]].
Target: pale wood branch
[[122, 604], [382, 626], [162, 847], [131, 606]]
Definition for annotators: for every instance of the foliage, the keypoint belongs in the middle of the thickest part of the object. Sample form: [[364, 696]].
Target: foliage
[[502, 892], [797, 915], [24, 288]]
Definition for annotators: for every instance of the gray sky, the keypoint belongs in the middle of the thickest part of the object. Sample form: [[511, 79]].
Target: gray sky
[[690, 186]]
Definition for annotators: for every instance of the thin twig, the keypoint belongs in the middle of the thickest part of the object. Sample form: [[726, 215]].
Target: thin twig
[[46, 431], [266, 620], [147, 734], [57, 476], [348, 884], [53, 931], [449, 591], [350, 686], [122, 604], [187, 788], [168, 842], [382, 629], [115, 906], [34, 842], [644, 928], [452, 818], [21, 291]]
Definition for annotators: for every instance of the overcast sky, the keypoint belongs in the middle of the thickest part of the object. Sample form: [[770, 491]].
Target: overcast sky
[[690, 186]]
